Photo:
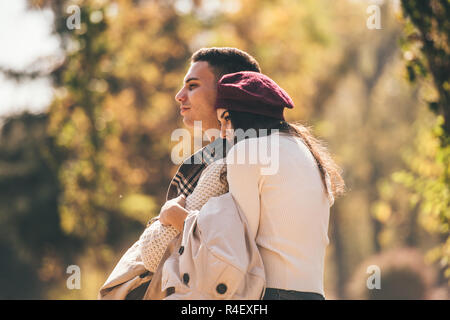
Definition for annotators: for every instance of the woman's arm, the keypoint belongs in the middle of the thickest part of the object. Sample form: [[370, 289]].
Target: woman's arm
[[244, 179]]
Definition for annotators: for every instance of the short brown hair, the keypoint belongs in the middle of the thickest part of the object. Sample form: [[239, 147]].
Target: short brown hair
[[224, 60]]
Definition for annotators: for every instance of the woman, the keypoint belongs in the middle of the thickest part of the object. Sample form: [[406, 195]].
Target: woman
[[287, 209]]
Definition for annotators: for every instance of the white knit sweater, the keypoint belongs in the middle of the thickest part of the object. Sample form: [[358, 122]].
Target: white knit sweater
[[156, 237]]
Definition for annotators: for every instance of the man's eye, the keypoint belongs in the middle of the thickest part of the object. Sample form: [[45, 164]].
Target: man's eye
[[227, 118], [192, 86]]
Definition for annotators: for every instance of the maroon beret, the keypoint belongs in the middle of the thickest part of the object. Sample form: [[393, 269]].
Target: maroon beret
[[252, 92]]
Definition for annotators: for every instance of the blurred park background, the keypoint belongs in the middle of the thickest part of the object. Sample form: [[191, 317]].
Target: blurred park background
[[87, 116]]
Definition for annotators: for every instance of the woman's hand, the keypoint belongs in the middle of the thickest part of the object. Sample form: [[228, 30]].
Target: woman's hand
[[173, 213]]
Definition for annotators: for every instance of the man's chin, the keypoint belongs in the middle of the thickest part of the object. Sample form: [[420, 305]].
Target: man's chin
[[188, 122]]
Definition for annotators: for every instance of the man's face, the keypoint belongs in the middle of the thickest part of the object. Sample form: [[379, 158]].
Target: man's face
[[198, 96]]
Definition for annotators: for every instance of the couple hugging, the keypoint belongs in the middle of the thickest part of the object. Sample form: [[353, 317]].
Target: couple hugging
[[228, 230]]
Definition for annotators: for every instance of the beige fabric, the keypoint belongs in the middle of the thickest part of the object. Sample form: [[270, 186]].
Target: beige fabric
[[218, 250], [126, 276], [156, 237]]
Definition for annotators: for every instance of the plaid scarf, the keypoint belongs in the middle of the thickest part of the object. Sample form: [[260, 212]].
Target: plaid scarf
[[189, 172]]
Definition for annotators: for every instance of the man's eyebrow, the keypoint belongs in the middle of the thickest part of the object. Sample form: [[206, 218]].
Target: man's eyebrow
[[190, 79]]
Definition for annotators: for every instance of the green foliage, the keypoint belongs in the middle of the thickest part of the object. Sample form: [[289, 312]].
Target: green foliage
[[426, 177], [427, 51], [136, 206]]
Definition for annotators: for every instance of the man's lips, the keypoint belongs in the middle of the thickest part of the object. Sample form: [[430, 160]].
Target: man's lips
[[183, 109]]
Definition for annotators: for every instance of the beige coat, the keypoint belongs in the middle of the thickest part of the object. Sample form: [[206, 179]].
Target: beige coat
[[214, 258]]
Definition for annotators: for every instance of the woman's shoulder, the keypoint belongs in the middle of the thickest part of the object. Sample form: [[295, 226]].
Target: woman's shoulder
[[279, 142]]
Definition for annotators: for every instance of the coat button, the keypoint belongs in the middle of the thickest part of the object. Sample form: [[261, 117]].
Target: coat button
[[169, 291], [181, 250], [186, 278], [221, 288]]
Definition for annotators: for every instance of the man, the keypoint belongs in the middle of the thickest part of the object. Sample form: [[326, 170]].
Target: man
[[197, 98], [129, 279]]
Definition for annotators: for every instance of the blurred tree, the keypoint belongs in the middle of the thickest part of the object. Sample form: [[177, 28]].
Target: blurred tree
[[368, 119], [34, 251], [427, 52], [112, 118], [429, 192]]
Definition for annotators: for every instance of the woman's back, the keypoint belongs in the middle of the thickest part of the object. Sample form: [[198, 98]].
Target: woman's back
[[287, 209]]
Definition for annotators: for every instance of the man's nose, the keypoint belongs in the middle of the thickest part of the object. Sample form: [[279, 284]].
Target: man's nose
[[180, 96]]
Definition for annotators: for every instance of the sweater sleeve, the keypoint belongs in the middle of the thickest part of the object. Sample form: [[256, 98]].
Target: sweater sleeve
[[244, 181]]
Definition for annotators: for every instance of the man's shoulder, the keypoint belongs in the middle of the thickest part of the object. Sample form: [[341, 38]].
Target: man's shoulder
[[188, 173], [213, 151]]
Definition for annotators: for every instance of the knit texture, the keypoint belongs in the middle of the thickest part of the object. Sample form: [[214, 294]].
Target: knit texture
[[156, 237]]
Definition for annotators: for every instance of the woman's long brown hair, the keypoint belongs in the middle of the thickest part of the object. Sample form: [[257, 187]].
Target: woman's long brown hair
[[325, 163]]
